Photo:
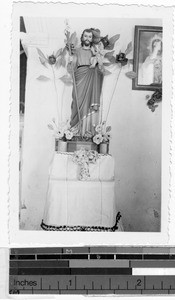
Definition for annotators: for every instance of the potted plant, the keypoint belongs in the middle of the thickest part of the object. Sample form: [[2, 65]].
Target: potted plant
[[102, 137], [62, 134]]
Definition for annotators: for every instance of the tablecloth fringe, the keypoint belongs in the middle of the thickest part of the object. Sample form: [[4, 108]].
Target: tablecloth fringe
[[82, 228]]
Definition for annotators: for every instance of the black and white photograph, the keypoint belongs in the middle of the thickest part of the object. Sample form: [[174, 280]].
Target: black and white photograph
[[91, 147], [87, 149]]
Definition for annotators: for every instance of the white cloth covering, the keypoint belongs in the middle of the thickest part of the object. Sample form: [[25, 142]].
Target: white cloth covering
[[67, 202], [63, 168], [72, 202]]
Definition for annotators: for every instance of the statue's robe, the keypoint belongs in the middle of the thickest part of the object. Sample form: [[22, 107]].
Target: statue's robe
[[88, 85]]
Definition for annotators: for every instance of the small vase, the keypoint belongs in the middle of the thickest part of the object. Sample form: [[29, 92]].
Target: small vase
[[104, 147], [61, 146]]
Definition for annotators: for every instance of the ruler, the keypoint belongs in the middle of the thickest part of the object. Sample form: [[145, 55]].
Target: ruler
[[92, 270]]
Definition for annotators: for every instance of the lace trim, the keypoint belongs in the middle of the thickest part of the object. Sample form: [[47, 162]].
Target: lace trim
[[71, 153], [81, 228]]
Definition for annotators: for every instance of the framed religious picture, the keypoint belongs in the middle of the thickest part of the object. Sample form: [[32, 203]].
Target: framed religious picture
[[148, 48]]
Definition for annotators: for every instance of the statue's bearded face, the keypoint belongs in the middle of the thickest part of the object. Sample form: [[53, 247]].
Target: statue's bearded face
[[87, 38]]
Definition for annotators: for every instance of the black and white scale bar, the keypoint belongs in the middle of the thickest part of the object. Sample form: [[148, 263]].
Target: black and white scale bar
[[95, 250], [48, 256], [70, 271], [93, 256], [92, 264], [78, 284], [39, 264], [92, 270], [22, 257], [101, 256], [74, 263], [93, 292]]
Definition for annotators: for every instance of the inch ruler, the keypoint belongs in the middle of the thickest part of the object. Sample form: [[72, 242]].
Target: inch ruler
[[92, 270]]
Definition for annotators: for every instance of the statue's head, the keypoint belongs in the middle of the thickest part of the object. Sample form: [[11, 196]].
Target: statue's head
[[87, 37]]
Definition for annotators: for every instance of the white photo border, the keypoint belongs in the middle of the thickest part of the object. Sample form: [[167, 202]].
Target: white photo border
[[19, 237]]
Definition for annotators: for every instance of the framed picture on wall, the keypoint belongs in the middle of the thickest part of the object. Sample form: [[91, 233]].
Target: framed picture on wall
[[147, 58]]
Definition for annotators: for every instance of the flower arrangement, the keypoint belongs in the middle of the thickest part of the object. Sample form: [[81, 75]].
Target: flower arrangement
[[102, 133], [62, 131], [83, 158]]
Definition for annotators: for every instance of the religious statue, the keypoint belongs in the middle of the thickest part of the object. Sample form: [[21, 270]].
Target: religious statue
[[88, 83], [85, 67]]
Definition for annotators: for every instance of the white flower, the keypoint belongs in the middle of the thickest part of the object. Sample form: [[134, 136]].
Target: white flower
[[106, 137], [83, 157], [92, 156], [97, 139], [59, 133], [80, 156], [68, 134], [99, 128]]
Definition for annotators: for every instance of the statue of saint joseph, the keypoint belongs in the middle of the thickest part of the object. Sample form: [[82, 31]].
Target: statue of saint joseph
[[88, 85]]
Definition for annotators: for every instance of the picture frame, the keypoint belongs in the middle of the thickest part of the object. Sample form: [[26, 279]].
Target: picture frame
[[147, 62]]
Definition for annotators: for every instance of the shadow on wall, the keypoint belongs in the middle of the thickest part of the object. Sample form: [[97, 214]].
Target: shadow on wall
[[151, 217]]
